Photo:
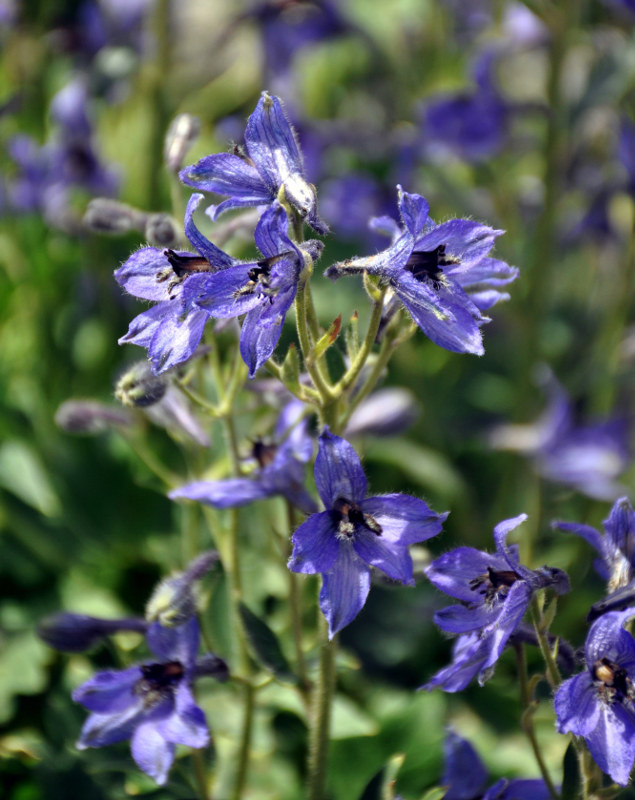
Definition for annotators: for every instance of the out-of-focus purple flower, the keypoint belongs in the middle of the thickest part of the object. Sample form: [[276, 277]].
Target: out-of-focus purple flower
[[626, 149], [441, 273], [272, 164], [589, 458], [75, 633], [169, 330], [280, 470], [465, 777], [494, 591], [355, 533], [470, 125], [616, 547], [599, 703], [263, 291], [152, 704], [385, 413]]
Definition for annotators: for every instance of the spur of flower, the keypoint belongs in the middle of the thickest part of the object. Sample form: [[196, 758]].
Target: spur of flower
[[280, 470], [151, 703], [169, 331], [599, 703], [270, 168], [442, 274], [356, 533], [494, 591], [616, 547], [262, 290]]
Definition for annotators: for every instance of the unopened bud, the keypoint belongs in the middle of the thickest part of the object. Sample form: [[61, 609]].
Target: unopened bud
[[112, 217], [161, 230], [140, 387], [90, 417], [182, 133], [173, 601], [213, 666], [385, 413], [75, 633]]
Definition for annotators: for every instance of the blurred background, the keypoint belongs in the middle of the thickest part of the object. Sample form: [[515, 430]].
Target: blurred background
[[521, 115]]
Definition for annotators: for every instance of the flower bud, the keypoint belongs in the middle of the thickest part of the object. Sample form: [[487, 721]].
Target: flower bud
[[182, 133], [161, 230], [112, 217], [90, 417], [140, 387], [385, 413], [213, 666], [173, 601], [75, 633]]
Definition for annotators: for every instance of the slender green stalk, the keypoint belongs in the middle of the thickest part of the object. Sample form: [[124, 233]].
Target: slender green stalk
[[528, 722], [321, 716], [200, 775], [350, 377], [160, 106], [552, 671], [244, 749], [323, 387], [170, 479]]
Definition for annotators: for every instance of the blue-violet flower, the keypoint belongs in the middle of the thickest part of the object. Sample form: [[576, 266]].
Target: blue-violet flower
[[355, 533]]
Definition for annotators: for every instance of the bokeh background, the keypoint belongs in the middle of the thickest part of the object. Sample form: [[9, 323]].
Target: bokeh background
[[518, 114]]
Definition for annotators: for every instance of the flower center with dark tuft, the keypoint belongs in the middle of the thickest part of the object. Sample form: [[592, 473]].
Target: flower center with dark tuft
[[426, 265], [494, 584], [349, 515], [258, 280], [158, 681], [264, 453], [612, 681]]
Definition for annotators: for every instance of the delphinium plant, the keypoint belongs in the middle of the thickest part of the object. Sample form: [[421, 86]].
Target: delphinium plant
[[239, 678]]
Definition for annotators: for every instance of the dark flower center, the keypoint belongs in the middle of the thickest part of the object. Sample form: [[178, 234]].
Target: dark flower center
[[158, 681], [426, 265], [494, 584], [612, 681], [349, 515], [258, 279], [186, 265], [264, 453]]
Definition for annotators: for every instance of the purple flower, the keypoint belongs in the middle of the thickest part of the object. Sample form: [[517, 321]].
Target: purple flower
[[616, 548], [263, 291], [355, 533], [151, 704], [465, 777], [598, 704], [271, 165], [471, 125], [441, 273], [589, 458], [170, 331], [280, 471], [494, 591]]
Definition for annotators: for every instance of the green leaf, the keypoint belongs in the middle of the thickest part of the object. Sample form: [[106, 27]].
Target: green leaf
[[349, 720], [265, 646], [23, 474], [571, 783], [434, 794], [328, 339]]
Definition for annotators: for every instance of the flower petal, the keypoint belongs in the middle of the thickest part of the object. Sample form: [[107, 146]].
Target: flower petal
[[452, 572], [500, 537], [577, 705], [463, 619], [144, 326], [179, 643], [612, 742], [272, 234], [100, 730], [217, 258], [464, 773], [230, 493], [464, 239], [109, 691], [222, 294], [226, 173], [187, 724], [403, 518], [414, 211], [176, 339], [262, 328], [315, 545], [138, 275], [338, 470], [344, 589], [390, 557], [151, 752]]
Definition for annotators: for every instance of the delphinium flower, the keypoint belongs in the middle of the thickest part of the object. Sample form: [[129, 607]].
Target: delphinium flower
[[494, 591], [465, 777], [599, 703], [151, 704], [280, 470], [270, 168], [470, 125], [356, 533], [590, 458], [442, 274]]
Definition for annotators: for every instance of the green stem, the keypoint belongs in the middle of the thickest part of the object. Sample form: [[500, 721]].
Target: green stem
[[200, 774], [552, 671], [244, 749], [527, 720], [170, 479], [350, 377], [319, 381], [321, 716], [160, 106]]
